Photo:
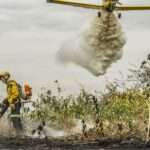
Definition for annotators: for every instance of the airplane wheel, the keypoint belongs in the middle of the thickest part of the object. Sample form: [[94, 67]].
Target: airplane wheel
[[99, 14], [119, 15]]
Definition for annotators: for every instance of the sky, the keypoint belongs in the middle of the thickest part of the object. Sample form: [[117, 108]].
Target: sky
[[32, 31]]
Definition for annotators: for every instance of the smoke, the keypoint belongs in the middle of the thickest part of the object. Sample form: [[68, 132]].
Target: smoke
[[97, 47], [6, 127]]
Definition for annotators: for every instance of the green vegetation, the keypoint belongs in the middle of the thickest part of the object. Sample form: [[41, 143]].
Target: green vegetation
[[119, 112], [64, 111]]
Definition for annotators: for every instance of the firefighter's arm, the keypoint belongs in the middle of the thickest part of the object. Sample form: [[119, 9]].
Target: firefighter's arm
[[13, 95]]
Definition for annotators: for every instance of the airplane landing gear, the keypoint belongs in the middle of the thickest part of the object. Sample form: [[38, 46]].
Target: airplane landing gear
[[99, 14], [119, 15]]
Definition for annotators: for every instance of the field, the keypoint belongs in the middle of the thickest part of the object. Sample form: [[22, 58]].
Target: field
[[119, 118], [63, 144]]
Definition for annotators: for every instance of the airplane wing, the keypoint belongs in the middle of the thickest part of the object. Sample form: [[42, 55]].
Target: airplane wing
[[79, 3], [132, 8], [76, 3]]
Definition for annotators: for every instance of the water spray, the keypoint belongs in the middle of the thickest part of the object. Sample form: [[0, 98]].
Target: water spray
[[98, 46], [101, 44]]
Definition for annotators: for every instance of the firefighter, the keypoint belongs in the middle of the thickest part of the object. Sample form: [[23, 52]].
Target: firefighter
[[13, 99]]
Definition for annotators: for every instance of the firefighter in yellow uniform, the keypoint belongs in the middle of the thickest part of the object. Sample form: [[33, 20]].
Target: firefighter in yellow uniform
[[13, 100]]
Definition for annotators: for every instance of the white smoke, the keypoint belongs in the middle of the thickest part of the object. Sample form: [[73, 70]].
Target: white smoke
[[97, 47], [6, 127]]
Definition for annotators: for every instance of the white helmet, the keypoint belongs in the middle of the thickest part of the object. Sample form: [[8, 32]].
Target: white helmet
[[4, 74]]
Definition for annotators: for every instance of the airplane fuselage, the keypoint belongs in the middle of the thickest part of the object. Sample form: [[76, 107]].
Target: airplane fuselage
[[110, 5]]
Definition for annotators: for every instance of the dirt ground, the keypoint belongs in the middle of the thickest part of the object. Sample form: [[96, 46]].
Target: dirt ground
[[63, 144]]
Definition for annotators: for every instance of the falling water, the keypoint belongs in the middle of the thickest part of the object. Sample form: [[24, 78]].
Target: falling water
[[98, 46]]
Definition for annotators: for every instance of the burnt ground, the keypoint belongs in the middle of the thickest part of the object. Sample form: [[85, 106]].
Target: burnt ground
[[66, 144]]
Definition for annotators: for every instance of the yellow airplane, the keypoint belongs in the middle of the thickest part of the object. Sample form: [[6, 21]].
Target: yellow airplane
[[108, 5]]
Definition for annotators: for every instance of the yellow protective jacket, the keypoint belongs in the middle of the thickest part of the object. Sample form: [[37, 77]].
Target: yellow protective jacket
[[13, 91]]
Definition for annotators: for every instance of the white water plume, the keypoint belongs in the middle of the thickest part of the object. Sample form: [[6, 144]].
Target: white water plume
[[97, 47]]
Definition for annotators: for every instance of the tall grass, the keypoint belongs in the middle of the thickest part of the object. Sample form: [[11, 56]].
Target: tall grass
[[116, 113]]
